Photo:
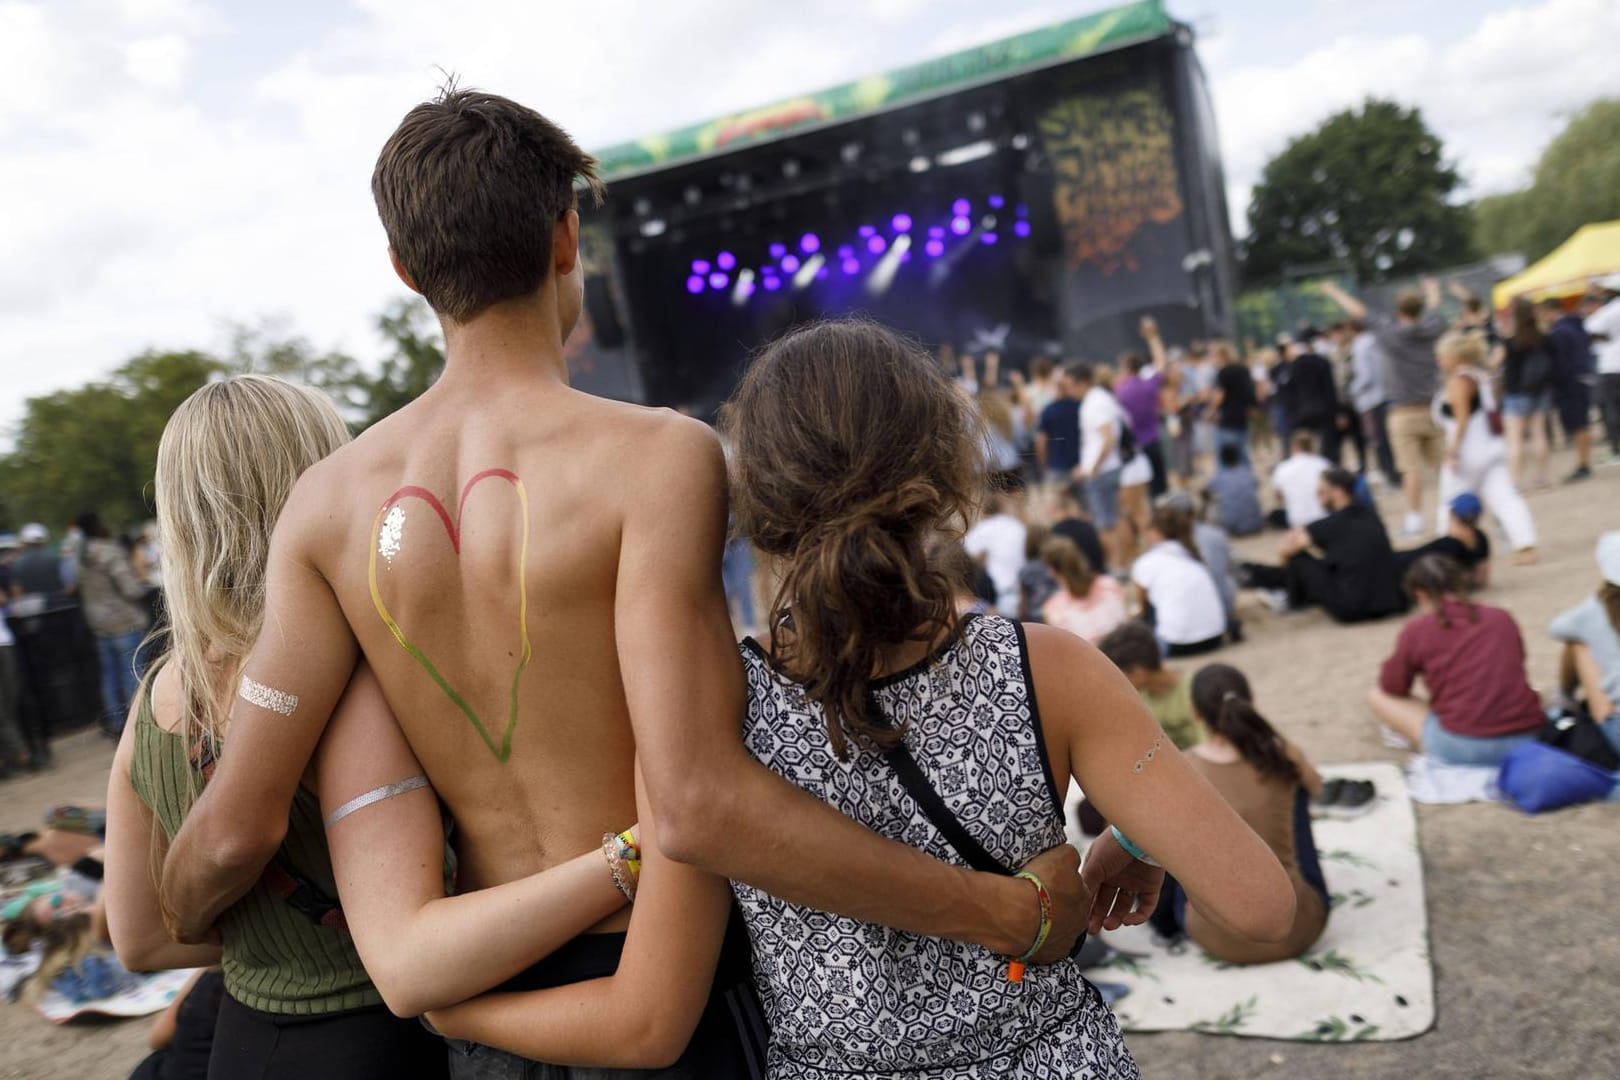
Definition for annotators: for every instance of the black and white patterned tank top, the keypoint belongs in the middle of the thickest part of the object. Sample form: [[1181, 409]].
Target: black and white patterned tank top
[[852, 998]]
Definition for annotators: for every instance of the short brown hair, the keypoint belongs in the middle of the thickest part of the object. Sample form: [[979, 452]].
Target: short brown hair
[[1410, 304], [469, 188]]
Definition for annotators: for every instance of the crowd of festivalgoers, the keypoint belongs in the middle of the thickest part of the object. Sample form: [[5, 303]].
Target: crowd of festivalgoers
[[75, 616], [312, 862]]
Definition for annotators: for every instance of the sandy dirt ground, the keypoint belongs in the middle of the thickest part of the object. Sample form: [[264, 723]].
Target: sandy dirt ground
[[1522, 910]]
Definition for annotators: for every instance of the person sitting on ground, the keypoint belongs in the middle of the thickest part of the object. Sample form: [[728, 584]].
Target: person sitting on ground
[[1214, 551], [997, 541], [1235, 491], [1070, 523], [1270, 783], [1296, 481], [1355, 577], [1086, 604], [1464, 541], [1135, 651], [1590, 633], [1035, 581], [1178, 592], [1471, 659], [1476, 455]]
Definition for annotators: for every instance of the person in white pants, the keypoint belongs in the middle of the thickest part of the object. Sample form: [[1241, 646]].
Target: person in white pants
[[1476, 455]]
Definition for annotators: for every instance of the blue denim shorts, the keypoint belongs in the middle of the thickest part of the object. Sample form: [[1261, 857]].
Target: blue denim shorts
[[1102, 498], [1453, 749], [1521, 405]]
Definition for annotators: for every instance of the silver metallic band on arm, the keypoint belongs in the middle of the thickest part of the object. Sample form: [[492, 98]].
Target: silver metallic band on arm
[[375, 795], [267, 697]]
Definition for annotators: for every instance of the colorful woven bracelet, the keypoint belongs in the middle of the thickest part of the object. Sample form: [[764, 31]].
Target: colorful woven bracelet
[[623, 880], [630, 852], [1015, 968], [1131, 849]]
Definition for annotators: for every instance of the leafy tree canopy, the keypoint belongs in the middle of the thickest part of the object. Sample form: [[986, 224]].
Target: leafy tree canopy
[[1576, 182], [1369, 191]]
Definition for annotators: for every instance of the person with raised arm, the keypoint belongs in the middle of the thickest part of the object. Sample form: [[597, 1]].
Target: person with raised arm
[[539, 617]]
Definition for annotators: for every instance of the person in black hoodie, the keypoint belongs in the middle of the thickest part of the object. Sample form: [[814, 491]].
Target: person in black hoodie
[[1356, 576], [1313, 400]]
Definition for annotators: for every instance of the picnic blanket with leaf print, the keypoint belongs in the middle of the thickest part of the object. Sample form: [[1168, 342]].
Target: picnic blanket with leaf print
[[1368, 979]]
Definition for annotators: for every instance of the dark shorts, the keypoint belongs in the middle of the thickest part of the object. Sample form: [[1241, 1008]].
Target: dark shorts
[[366, 1044], [728, 1044], [1574, 403]]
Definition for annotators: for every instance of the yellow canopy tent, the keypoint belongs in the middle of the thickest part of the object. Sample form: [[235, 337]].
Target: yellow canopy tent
[[1592, 252]]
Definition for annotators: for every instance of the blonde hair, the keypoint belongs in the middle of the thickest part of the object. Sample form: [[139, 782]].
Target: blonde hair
[[1467, 346], [228, 459]]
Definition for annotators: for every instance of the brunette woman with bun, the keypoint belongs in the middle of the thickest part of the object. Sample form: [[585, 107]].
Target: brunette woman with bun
[[853, 454], [856, 462], [1269, 782]]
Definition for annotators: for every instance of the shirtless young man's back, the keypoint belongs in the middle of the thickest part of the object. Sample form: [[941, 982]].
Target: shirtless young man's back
[[533, 575]]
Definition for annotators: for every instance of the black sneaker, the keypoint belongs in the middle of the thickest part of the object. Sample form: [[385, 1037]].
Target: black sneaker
[[1581, 473], [1354, 798], [1329, 793]]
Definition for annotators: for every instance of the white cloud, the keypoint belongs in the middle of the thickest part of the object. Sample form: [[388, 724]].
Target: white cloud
[[158, 62], [1495, 94]]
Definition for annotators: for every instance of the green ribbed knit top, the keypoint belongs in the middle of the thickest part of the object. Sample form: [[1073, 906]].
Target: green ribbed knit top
[[275, 959]]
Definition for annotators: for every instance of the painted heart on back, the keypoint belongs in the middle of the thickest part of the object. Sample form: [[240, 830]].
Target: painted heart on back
[[385, 541]]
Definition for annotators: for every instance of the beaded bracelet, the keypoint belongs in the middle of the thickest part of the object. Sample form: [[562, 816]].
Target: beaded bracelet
[[624, 863], [1131, 849], [1015, 968]]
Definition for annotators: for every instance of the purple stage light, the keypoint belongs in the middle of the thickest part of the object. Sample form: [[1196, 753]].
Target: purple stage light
[[726, 261], [717, 280], [790, 263], [961, 226], [694, 284], [1021, 228], [934, 248], [846, 252], [700, 266], [809, 243], [987, 238], [824, 273], [936, 232], [901, 223], [746, 288], [778, 250], [905, 256], [961, 208], [866, 230], [851, 267], [997, 202], [772, 284], [876, 244]]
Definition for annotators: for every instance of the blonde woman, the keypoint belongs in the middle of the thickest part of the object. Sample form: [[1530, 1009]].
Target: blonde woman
[[1477, 457], [299, 1000]]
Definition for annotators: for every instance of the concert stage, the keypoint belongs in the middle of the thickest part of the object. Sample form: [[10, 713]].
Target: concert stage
[[1043, 192]]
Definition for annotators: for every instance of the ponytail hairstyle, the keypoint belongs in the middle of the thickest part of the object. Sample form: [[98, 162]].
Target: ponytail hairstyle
[[1174, 523], [852, 452], [1440, 578], [1221, 696], [1069, 564]]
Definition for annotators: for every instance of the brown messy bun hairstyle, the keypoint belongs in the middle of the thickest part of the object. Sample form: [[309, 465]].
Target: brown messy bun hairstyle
[[851, 452]]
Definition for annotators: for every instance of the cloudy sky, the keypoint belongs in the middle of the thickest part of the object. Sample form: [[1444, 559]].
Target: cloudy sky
[[168, 167]]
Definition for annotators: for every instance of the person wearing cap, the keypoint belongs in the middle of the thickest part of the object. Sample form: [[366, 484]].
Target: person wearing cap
[[1603, 326], [1463, 541], [1476, 454], [1590, 633], [37, 572]]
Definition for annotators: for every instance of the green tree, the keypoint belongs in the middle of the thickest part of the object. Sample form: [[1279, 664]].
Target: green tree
[[1369, 190], [96, 447], [1576, 182], [413, 364]]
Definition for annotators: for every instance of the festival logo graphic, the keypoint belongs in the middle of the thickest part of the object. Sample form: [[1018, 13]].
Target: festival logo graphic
[[1114, 166]]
